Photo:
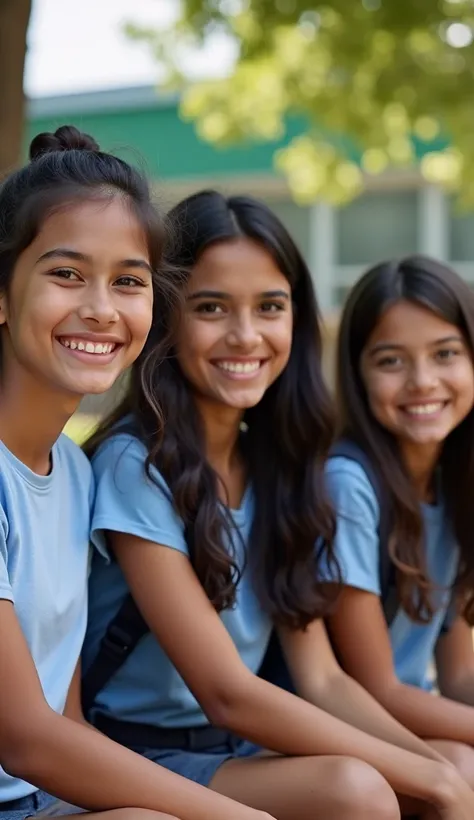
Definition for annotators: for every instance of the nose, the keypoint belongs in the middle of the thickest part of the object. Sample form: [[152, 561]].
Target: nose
[[244, 333], [98, 307], [423, 377]]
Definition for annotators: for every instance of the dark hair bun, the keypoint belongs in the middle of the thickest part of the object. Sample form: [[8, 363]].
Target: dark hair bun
[[66, 138]]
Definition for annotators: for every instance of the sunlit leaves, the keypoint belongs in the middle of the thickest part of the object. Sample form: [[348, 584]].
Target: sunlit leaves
[[381, 84]]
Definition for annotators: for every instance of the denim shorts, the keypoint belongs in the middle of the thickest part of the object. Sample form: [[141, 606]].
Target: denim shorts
[[198, 766], [38, 804]]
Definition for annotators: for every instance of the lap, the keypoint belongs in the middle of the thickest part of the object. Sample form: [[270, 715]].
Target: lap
[[200, 766]]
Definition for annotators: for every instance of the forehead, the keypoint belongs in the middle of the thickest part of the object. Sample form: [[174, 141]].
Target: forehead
[[93, 227], [238, 267], [408, 325]]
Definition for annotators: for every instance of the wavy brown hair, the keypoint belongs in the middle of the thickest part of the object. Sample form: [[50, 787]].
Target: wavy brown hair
[[434, 286], [285, 446]]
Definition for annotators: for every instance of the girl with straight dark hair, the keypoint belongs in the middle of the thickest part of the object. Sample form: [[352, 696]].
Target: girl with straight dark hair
[[406, 397]]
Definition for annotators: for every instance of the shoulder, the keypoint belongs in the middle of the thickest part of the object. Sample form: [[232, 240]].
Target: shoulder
[[122, 458], [116, 446], [350, 488]]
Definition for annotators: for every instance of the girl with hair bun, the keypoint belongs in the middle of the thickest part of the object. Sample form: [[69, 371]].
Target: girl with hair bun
[[80, 259]]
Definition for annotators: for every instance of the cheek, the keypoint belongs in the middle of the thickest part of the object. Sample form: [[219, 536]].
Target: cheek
[[139, 317], [197, 339], [381, 394], [463, 384], [282, 338]]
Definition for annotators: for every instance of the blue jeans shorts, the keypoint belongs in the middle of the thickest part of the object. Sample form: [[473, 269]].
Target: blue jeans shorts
[[38, 804]]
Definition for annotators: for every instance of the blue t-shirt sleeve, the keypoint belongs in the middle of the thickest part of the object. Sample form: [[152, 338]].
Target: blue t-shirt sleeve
[[128, 501], [6, 592], [357, 511]]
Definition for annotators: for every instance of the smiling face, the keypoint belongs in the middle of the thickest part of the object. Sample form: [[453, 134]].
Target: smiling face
[[79, 306], [419, 377], [235, 334]]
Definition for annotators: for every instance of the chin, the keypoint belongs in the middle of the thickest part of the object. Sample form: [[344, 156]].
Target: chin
[[92, 388]]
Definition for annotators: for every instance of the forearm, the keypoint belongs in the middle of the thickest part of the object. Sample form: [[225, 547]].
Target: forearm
[[288, 724], [428, 716], [83, 767], [347, 700]]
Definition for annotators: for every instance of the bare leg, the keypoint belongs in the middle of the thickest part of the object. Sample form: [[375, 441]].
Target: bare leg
[[308, 788]]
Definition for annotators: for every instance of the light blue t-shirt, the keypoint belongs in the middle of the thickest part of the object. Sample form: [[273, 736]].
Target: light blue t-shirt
[[44, 549], [147, 688], [357, 548]]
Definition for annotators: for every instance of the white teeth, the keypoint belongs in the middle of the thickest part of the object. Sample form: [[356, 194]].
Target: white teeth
[[239, 367], [424, 409], [89, 347]]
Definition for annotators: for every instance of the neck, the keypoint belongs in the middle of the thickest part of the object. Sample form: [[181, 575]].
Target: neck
[[32, 418], [221, 430], [421, 464]]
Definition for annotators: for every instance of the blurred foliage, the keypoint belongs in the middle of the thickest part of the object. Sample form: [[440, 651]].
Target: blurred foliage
[[80, 426], [382, 83]]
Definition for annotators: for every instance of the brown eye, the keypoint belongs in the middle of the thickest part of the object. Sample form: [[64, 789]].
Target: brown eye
[[130, 282], [68, 274], [271, 307], [209, 307]]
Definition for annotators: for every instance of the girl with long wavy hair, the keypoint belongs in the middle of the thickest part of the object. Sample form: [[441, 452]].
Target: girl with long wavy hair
[[209, 506], [406, 397]]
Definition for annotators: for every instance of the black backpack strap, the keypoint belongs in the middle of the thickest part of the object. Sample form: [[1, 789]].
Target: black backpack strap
[[346, 448], [122, 636]]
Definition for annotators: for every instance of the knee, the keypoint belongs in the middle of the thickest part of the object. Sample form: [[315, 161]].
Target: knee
[[367, 793]]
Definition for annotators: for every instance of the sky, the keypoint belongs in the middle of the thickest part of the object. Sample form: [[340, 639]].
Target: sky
[[79, 46]]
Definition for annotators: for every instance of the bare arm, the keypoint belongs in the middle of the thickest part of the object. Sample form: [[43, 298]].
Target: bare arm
[[361, 638], [455, 663], [319, 679], [178, 612], [74, 762], [73, 707]]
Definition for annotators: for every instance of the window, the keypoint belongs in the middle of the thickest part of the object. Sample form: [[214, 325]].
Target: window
[[377, 226], [461, 235]]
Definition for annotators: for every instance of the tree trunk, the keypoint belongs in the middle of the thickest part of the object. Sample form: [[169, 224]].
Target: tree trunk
[[14, 18]]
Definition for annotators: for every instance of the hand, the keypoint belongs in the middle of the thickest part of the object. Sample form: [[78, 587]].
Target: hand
[[455, 798]]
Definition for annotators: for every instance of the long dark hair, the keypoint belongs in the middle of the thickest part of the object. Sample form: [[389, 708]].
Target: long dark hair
[[65, 168], [431, 285], [285, 446]]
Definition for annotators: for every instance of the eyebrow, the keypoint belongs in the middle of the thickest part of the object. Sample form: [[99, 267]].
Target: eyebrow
[[383, 347], [76, 256], [218, 294]]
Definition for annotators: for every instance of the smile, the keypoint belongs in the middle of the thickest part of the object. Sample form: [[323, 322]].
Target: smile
[[425, 410], [81, 345], [239, 369]]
